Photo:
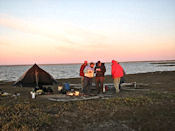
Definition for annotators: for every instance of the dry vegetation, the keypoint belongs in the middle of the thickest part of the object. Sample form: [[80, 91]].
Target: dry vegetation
[[153, 110]]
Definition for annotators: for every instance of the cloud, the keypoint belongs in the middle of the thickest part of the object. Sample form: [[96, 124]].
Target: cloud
[[59, 32], [57, 40], [66, 41]]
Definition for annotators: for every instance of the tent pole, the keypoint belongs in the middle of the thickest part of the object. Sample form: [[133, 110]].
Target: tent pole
[[36, 78]]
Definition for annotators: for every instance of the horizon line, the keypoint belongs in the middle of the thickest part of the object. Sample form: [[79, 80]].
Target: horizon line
[[81, 63]]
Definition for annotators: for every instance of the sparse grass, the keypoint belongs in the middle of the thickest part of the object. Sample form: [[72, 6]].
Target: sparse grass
[[22, 117], [142, 111]]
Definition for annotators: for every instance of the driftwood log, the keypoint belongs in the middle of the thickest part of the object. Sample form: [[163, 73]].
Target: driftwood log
[[132, 86], [79, 98]]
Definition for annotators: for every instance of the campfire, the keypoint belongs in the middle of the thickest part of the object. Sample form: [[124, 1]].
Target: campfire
[[65, 89], [75, 93]]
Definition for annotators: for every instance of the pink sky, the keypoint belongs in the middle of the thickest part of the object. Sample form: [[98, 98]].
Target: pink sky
[[44, 40]]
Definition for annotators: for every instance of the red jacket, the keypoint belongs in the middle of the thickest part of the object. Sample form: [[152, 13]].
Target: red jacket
[[82, 69], [116, 70]]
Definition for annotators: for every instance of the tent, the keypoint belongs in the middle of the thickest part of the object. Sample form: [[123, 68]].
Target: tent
[[35, 77]]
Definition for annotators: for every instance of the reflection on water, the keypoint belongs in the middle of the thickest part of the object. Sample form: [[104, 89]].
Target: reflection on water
[[12, 73]]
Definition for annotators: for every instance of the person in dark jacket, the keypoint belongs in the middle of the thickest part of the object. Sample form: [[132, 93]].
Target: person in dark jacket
[[100, 70], [82, 72]]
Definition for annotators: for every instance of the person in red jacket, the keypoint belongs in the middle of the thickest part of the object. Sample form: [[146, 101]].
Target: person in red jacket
[[117, 72], [82, 72]]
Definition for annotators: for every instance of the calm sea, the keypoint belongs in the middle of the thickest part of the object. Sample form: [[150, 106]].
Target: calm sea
[[12, 73]]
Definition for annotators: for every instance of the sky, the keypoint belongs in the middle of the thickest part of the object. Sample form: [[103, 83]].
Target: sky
[[71, 31]]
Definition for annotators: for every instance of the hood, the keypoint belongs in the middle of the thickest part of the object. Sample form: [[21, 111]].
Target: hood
[[114, 62]]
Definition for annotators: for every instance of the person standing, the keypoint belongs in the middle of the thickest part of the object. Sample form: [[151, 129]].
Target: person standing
[[88, 75], [117, 73], [82, 72], [100, 70]]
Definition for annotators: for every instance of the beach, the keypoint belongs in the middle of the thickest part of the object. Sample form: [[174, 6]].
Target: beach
[[129, 110], [58, 57]]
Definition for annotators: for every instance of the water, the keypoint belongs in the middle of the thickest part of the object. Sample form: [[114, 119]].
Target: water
[[12, 73]]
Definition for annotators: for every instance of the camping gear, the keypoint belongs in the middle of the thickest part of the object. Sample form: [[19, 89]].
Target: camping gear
[[33, 94], [1, 91], [70, 93], [122, 80], [4, 94], [110, 87], [60, 88], [35, 77], [39, 92], [49, 89], [63, 91], [66, 86], [104, 89], [18, 94]]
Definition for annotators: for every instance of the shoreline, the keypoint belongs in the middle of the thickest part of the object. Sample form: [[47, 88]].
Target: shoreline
[[77, 79], [12, 73]]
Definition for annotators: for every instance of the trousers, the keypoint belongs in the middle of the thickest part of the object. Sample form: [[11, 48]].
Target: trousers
[[116, 84], [99, 84], [87, 83]]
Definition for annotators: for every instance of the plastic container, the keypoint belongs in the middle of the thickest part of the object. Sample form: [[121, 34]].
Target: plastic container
[[104, 89], [33, 95]]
